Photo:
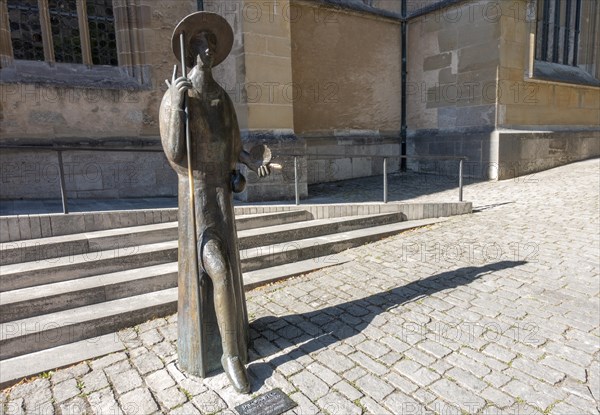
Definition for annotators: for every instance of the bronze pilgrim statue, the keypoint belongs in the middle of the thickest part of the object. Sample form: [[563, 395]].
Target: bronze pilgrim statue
[[201, 140]]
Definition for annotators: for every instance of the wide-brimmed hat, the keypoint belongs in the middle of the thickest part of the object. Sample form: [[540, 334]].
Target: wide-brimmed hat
[[195, 23]]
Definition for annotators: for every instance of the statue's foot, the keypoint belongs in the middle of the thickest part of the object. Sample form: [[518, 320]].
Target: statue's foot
[[236, 373]]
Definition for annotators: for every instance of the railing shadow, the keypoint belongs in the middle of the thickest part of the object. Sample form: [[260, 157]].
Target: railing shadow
[[402, 186], [383, 182], [317, 330]]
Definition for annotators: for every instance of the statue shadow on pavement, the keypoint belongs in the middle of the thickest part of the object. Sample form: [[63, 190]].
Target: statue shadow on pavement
[[316, 330]]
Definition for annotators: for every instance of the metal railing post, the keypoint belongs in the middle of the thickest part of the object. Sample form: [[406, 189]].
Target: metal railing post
[[63, 189], [143, 149], [385, 181], [460, 180], [296, 181]]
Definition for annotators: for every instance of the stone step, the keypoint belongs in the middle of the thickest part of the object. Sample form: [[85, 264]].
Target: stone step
[[16, 368], [285, 233], [262, 220], [60, 295], [23, 336], [49, 298], [31, 274], [302, 249], [20, 367], [54, 329], [30, 335], [261, 277], [119, 258], [32, 250], [34, 226]]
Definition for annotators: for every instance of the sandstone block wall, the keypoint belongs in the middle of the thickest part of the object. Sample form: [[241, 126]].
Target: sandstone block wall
[[530, 102], [472, 92], [102, 107], [543, 123], [453, 59], [310, 79], [345, 67], [34, 108], [35, 174]]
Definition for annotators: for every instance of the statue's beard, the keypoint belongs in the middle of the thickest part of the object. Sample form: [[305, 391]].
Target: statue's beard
[[202, 64]]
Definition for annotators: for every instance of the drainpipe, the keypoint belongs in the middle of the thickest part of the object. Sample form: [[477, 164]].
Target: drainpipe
[[403, 122]]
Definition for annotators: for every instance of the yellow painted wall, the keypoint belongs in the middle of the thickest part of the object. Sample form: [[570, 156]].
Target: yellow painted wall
[[345, 69]]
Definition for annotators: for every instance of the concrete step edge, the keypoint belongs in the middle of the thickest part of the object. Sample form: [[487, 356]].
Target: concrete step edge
[[94, 241], [253, 258], [278, 254], [68, 326], [259, 278], [253, 238], [85, 283], [16, 368], [24, 366], [64, 295], [50, 263], [122, 252], [9, 326], [319, 222]]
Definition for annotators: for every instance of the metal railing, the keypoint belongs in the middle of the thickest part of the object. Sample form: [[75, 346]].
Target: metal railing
[[59, 150], [460, 159], [63, 190]]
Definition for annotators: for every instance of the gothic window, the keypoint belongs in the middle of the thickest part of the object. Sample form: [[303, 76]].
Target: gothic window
[[66, 31], [102, 32], [558, 31], [567, 39], [25, 30]]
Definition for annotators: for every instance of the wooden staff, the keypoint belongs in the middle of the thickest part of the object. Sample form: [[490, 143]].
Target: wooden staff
[[201, 288]]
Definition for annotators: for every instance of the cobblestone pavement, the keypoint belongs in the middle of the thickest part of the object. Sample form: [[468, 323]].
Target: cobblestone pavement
[[402, 187], [496, 313]]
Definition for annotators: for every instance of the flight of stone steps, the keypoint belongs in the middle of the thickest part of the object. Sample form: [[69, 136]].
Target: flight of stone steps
[[67, 282]]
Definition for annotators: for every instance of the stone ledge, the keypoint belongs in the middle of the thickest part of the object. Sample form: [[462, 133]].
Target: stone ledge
[[77, 75], [524, 153], [554, 72], [354, 6], [23, 227]]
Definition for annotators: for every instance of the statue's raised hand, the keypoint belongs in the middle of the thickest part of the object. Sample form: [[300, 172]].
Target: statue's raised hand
[[179, 88]]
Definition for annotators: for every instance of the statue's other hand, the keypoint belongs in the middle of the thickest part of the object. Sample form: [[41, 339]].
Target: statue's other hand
[[263, 170], [179, 87]]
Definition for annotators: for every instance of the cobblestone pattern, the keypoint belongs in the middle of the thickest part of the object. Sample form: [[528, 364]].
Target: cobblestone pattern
[[495, 313]]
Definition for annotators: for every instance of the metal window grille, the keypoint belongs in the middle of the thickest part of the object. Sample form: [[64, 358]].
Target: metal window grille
[[64, 24], [102, 32], [558, 31], [78, 31], [25, 30]]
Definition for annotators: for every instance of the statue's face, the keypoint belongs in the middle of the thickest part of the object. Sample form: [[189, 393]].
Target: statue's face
[[204, 45]]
